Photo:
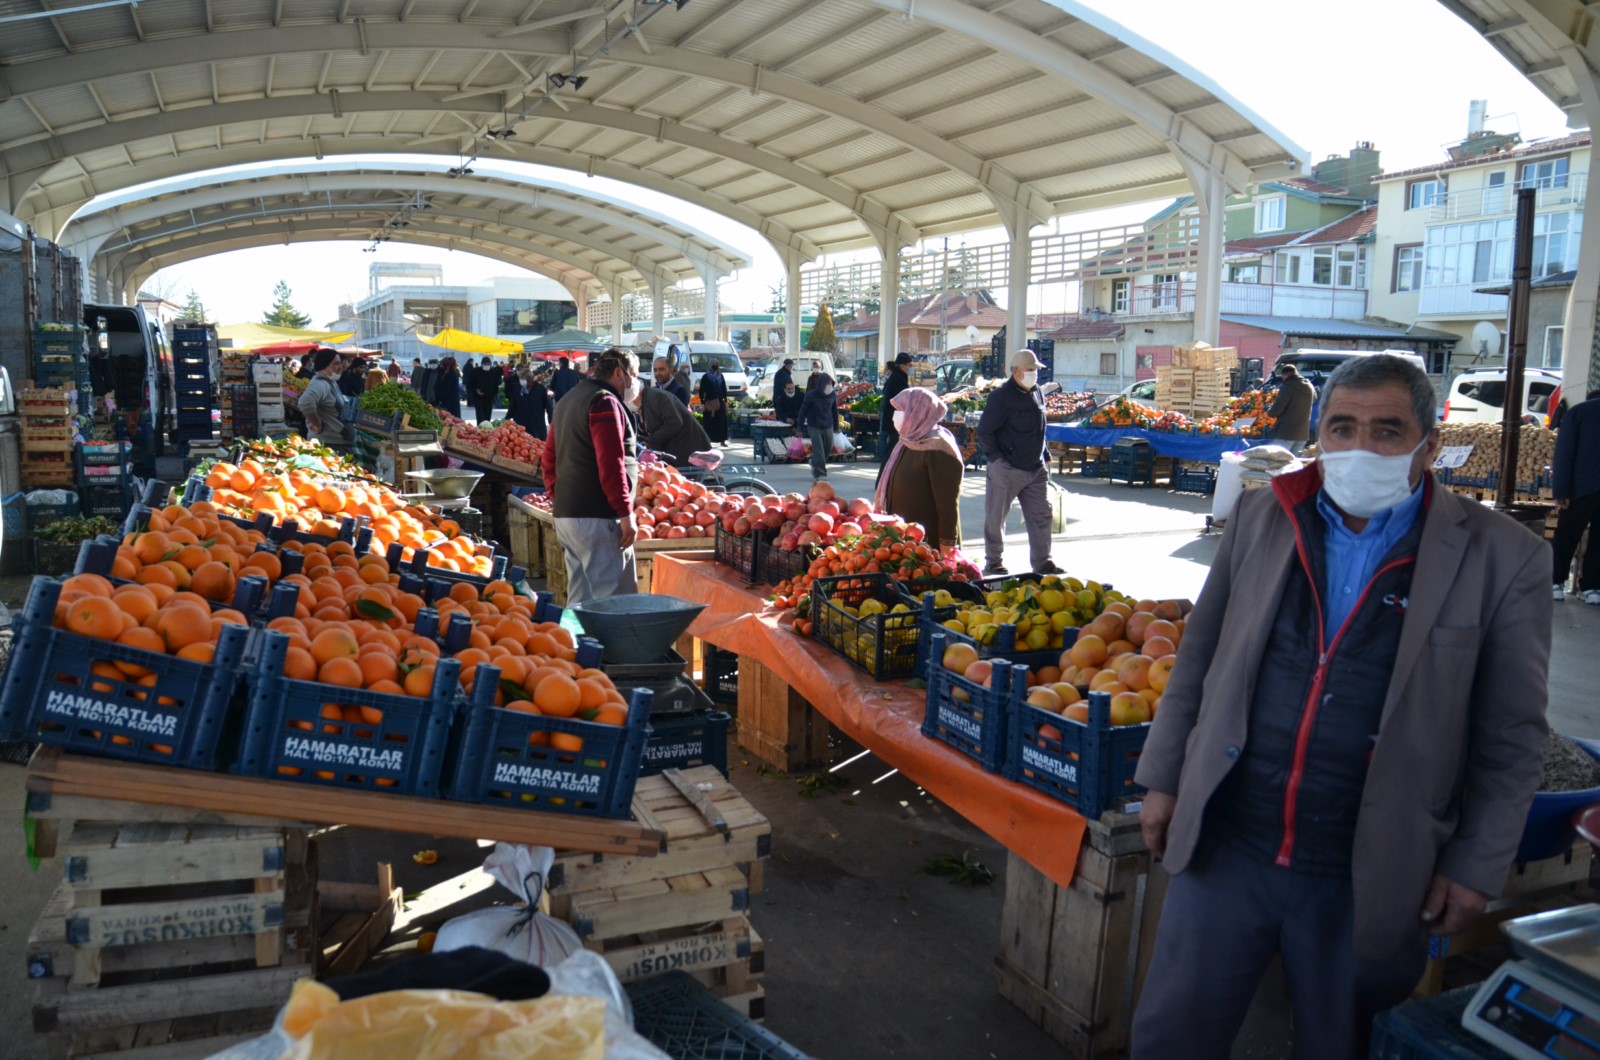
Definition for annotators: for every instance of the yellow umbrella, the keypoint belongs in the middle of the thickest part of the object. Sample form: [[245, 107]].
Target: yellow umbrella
[[249, 336], [467, 342]]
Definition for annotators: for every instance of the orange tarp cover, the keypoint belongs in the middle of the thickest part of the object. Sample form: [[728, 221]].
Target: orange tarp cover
[[883, 716]]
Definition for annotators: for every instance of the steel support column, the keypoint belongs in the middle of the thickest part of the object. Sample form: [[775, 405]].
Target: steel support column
[[888, 304], [1211, 194], [791, 304], [658, 307], [1018, 269], [617, 324], [712, 315]]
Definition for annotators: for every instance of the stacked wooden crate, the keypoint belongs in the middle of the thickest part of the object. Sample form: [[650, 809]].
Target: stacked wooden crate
[[170, 939], [47, 438], [685, 909], [268, 378], [1199, 381]]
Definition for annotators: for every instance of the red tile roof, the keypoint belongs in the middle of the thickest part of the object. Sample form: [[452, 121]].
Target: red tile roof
[[1540, 147], [962, 309], [1315, 186], [1348, 229], [1085, 328], [1251, 243]]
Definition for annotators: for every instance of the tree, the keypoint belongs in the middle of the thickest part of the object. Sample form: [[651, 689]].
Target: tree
[[283, 314], [194, 309], [780, 298], [741, 340], [822, 340]]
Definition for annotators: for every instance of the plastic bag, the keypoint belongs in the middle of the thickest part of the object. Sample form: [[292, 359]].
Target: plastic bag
[[523, 933], [796, 449], [711, 459], [842, 443], [51, 497], [586, 974]]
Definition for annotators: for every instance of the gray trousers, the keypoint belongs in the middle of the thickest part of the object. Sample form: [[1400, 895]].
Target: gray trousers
[[597, 565], [821, 442], [1223, 920], [1031, 490]]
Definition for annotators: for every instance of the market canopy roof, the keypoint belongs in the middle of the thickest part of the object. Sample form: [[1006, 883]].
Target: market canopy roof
[[251, 336], [823, 126], [466, 342], [567, 340]]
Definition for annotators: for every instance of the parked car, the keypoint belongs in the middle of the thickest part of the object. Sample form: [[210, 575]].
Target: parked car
[[805, 362], [1479, 395], [701, 353]]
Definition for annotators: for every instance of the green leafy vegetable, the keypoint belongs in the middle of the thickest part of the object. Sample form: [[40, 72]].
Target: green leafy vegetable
[[389, 398]]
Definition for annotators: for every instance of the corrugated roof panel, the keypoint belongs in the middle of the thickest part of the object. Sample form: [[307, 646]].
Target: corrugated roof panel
[[64, 108], [130, 93], [802, 139], [242, 77], [298, 71], [903, 180], [723, 28], [1123, 175], [171, 17], [184, 84], [1110, 134], [236, 13], [94, 28], [951, 210], [17, 122]]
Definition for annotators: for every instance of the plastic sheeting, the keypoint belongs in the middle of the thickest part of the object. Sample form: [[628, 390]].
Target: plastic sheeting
[[885, 717], [1203, 447]]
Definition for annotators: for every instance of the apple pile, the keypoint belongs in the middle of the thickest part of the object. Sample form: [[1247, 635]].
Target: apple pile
[[669, 506], [470, 433], [812, 521], [511, 440]]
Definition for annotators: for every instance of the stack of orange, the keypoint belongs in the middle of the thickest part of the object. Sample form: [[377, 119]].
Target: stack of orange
[[318, 503], [154, 618]]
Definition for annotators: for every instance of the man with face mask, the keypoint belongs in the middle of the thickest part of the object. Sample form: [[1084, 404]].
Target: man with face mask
[[661, 371], [1011, 432], [786, 403], [1352, 735]]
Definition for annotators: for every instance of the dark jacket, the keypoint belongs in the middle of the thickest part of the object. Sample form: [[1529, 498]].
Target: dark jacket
[[925, 487], [819, 410], [675, 387], [447, 392], [530, 405], [581, 433], [667, 426], [787, 409], [780, 379], [353, 381], [1577, 466], [893, 383], [1292, 409], [713, 387], [564, 380], [1012, 426]]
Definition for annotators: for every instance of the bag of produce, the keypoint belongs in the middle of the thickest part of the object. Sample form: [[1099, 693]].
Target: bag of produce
[[519, 931], [797, 449]]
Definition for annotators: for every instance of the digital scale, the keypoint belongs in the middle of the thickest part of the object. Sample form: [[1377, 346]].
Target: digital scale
[[1547, 1004]]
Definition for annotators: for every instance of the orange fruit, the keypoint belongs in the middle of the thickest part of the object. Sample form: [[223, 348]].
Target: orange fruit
[[558, 696], [522, 705], [265, 562], [201, 652], [388, 688], [181, 625], [135, 600], [95, 616], [214, 581], [565, 742], [591, 693], [377, 666], [150, 547], [334, 643], [612, 715], [419, 682], [341, 671], [299, 665]]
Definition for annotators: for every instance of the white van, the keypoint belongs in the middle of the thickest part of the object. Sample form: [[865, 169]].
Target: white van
[[805, 362], [701, 353], [1479, 396]]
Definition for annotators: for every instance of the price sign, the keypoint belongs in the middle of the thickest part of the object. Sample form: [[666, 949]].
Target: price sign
[[1245, 421], [1453, 456]]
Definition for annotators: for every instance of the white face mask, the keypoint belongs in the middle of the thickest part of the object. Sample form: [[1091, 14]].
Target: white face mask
[[828, 389], [899, 419], [1363, 483], [1030, 380], [635, 388]]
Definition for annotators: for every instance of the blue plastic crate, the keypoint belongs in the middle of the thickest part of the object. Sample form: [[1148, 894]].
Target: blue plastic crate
[[1429, 1029], [1004, 645], [774, 565], [378, 741], [51, 694], [685, 741], [500, 568], [253, 595], [1087, 765], [503, 757], [1194, 480], [686, 1021], [722, 676], [732, 550], [969, 717]]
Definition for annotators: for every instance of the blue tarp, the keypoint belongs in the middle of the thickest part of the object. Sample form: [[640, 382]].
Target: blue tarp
[[1202, 447]]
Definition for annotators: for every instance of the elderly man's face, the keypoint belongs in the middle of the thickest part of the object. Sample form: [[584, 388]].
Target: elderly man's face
[[1380, 420], [662, 371]]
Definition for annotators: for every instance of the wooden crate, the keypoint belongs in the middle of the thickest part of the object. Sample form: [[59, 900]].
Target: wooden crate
[[171, 939], [1073, 959], [1534, 887], [776, 724], [644, 557], [525, 536]]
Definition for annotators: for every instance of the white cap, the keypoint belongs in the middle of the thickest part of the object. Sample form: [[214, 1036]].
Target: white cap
[[1026, 361]]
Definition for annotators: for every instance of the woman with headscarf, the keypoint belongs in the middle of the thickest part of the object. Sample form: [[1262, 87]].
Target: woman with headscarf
[[447, 388], [921, 480]]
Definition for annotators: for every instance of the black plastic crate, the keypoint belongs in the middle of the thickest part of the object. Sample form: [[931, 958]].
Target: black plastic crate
[[686, 1021], [738, 552], [58, 690], [38, 515], [688, 740], [722, 676], [774, 565], [314, 733], [1087, 765], [1194, 480], [968, 716], [883, 644], [1088, 468], [510, 758], [500, 568]]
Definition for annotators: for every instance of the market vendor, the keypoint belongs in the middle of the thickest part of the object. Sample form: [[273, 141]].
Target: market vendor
[[786, 403], [921, 480], [591, 468], [661, 371], [1291, 409], [1351, 738], [322, 405], [667, 426], [896, 382]]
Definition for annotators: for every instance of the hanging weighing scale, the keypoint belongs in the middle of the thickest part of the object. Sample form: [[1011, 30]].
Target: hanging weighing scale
[[1547, 1003]]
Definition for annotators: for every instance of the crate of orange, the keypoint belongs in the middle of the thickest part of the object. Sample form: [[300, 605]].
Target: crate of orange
[[427, 565], [971, 700], [559, 738], [1080, 756], [324, 711], [245, 589], [108, 670]]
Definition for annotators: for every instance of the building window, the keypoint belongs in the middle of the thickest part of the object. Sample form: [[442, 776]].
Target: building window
[[1119, 296], [1351, 268], [1555, 242], [1494, 193], [1554, 336], [533, 316], [1477, 252], [1408, 267], [1244, 273], [1168, 290], [1286, 267], [1108, 364], [1423, 193], [1550, 173], [1322, 266], [1271, 214]]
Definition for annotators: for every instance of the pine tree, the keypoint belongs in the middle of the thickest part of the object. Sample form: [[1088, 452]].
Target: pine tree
[[283, 314], [193, 309], [822, 340]]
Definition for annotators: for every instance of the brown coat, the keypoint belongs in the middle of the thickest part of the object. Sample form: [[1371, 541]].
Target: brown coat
[[1292, 409], [1463, 728], [925, 487]]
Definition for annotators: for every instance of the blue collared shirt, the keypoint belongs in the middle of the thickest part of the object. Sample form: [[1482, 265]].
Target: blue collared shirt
[[1352, 559]]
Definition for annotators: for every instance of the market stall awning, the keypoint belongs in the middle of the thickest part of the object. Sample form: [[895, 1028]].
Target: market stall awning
[[467, 342], [254, 336], [286, 348]]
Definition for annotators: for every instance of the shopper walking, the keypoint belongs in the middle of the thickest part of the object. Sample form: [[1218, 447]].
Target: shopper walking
[[1011, 433], [1291, 409], [447, 388], [418, 376], [530, 402], [1349, 743], [484, 383], [565, 379], [394, 371], [321, 404], [893, 385], [661, 371], [921, 480], [591, 467], [819, 418], [1577, 494], [714, 403]]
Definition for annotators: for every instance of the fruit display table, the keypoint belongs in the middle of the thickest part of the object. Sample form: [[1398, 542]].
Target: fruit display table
[[1206, 448]]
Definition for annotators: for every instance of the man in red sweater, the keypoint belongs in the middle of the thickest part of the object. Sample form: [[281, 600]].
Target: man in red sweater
[[591, 468]]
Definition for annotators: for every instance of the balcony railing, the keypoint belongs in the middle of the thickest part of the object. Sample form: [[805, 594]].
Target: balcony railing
[[1502, 201], [1256, 299]]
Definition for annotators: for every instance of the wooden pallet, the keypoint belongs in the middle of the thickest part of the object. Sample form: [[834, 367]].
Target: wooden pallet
[[776, 724]]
